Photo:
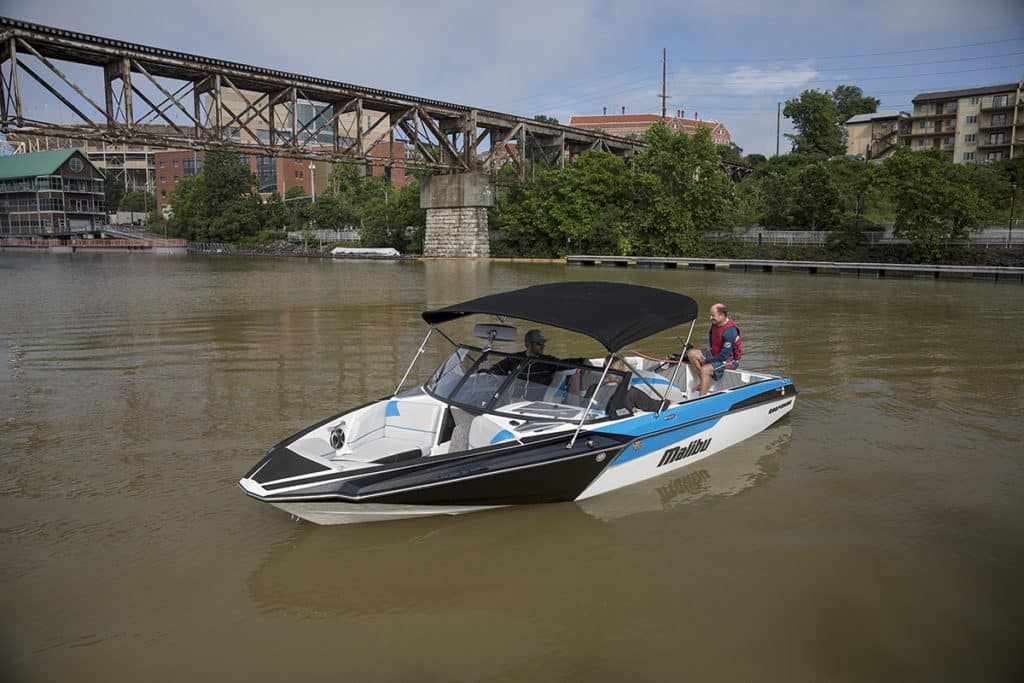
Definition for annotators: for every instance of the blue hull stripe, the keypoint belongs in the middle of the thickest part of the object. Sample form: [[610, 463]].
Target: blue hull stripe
[[656, 444], [392, 409], [693, 417]]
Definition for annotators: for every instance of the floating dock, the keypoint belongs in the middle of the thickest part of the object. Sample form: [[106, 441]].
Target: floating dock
[[868, 270]]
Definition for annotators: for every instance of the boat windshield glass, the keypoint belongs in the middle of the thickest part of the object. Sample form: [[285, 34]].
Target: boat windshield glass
[[491, 381]]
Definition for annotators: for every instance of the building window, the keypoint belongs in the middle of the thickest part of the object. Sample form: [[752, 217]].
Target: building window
[[175, 163], [970, 138], [162, 163], [994, 156], [998, 119], [175, 178], [163, 193], [76, 165], [999, 100], [926, 124], [975, 100], [968, 156], [163, 178], [973, 118], [948, 140]]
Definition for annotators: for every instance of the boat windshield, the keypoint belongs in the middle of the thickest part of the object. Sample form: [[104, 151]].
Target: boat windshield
[[491, 381]]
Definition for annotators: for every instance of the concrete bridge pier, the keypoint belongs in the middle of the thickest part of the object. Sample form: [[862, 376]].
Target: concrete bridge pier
[[457, 215]]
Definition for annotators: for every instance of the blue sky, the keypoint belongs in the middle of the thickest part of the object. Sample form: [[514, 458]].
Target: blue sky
[[729, 61]]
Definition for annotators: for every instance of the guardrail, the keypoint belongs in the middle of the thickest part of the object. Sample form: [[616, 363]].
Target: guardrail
[[987, 237]]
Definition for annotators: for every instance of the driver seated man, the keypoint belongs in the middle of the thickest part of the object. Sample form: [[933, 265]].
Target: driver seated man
[[538, 368]]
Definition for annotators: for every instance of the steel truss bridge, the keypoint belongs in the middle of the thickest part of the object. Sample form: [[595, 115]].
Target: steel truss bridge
[[199, 102]]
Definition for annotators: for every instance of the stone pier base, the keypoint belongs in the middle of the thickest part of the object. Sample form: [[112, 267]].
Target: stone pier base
[[457, 215], [457, 232]]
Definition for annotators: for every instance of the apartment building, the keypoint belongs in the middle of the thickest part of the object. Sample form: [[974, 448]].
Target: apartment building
[[50, 192], [876, 136], [975, 125], [626, 125]]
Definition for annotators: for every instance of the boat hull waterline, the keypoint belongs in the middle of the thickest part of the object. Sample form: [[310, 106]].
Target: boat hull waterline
[[610, 457]]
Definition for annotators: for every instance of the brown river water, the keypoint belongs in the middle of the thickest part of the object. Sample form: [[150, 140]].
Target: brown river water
[[875, 534]]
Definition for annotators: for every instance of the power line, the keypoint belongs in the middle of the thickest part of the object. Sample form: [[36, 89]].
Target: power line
[[631, 88], [865, 54]]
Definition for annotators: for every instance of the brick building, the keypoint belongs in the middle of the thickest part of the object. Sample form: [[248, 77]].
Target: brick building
[[626, 125]]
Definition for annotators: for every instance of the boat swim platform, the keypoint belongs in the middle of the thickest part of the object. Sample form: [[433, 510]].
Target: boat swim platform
[[867, 270]]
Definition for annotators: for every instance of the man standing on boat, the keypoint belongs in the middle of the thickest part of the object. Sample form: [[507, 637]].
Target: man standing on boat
[[724, 354]]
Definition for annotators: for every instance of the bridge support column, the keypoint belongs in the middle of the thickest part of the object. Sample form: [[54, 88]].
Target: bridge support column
[[457, 214]]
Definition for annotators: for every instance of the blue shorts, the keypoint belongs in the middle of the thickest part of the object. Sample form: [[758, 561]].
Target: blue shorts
[[719, 368]]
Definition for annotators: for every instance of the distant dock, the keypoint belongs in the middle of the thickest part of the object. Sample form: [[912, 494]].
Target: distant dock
[[70, 246], [867, 270]]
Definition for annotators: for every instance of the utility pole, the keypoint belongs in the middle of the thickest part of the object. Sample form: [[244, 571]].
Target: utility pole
[[1009, 231], [664, 65], [778, 123]]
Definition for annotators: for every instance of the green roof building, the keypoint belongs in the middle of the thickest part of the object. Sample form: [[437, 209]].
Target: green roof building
[[50, 193]]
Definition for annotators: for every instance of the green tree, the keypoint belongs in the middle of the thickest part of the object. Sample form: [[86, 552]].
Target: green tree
[[934, 200], [754, 160], [113, 191], [679, 192], [814, 115], [578, 207], [188, 210], [850, 101], [218, 204], [816, 201], [227, 179], [731, 152], [545, 119], [137, 201]]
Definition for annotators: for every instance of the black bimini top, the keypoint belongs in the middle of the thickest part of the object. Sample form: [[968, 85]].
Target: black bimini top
[[613, 313]]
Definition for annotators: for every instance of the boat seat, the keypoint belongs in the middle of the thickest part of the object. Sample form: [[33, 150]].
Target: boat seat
[[561, 386], [676, 394], [484, 431], [392, 429]]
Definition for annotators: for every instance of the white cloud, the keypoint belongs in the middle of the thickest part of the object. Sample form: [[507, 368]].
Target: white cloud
[[752, 80]]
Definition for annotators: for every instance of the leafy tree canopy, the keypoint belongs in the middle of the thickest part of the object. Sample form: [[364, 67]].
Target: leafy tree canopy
[[815, 115], [935, 199], [850, 101]]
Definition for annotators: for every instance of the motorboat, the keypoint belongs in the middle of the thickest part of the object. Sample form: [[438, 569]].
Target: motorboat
[[492, 428]]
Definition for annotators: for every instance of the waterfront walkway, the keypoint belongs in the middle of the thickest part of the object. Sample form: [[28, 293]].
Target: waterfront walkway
[[872, 270], [69, 246]]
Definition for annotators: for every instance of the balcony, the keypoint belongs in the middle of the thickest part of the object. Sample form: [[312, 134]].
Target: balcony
[[988, 125], [992, 106], [993, 145]]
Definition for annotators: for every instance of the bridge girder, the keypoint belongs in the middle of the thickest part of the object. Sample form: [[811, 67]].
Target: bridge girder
[[201, 102]]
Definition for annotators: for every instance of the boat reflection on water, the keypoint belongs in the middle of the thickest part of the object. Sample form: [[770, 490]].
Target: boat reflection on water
[[424, 565], [727, 474]]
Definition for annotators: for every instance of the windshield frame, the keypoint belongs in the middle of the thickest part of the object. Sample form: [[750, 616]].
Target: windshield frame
[[498, 390]]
